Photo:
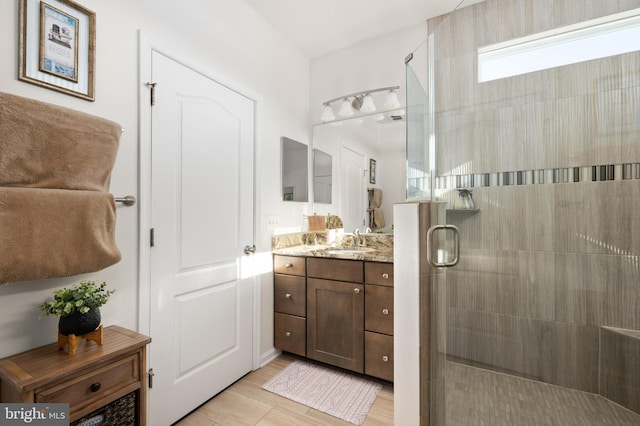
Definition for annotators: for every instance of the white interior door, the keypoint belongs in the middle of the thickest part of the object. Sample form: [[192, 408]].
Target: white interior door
[[353, 191], [202, 215]]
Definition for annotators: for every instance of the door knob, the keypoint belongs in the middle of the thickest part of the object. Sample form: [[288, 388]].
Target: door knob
[[250, 249]]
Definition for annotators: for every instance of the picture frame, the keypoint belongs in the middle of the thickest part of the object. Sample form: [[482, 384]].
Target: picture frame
[[57, 46], [372, 170]]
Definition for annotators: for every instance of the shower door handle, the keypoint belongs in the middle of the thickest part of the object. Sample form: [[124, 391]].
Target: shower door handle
[[456, 246]]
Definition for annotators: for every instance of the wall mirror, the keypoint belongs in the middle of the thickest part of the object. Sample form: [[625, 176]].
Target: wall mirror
[[322, 169], [295, 166], [351, 143]]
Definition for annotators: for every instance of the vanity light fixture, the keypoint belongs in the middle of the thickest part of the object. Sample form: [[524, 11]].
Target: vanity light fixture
[[362, 102]]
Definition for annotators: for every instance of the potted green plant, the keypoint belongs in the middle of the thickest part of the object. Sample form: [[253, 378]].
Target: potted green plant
[[77, 307]]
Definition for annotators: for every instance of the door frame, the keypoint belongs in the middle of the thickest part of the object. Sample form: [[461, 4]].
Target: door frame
[[362, 190], [145, 48]]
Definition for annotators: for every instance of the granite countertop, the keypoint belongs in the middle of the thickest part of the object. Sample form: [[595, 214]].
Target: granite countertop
[[367, 253], [377, 248]]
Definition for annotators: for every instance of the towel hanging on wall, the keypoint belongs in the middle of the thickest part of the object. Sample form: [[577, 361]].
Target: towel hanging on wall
[[56, 216], [48, 233], [47, 146]]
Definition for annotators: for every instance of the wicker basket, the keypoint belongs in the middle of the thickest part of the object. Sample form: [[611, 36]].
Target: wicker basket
[[121, 412]]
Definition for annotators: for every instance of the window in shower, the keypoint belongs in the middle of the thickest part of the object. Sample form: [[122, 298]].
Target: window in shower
[[597, 38]]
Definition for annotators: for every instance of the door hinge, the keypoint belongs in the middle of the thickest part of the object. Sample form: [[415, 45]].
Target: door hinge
[[150, 375], [152, 93], [152, 237]]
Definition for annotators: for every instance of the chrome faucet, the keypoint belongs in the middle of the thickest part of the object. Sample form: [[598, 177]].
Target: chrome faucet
[[358, 240]]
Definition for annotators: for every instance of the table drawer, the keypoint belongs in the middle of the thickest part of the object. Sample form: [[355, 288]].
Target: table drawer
[[335, 269], [378, 309], [290, 333], [88, 388], [378, 273], [290, 265], [378, 354], [289, 295]]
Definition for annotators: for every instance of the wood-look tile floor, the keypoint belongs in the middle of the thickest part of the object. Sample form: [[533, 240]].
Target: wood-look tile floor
[[474, 397], [245, 403]]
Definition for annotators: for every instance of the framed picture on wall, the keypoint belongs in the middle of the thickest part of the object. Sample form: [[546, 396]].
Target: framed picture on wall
[[57, 46], [372, 170]]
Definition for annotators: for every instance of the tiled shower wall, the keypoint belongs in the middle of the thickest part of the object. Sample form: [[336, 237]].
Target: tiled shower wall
[[553, 159]]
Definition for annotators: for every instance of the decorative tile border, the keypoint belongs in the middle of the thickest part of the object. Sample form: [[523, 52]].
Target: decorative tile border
[[597, 173]]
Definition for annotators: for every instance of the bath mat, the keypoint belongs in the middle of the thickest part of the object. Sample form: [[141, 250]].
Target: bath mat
[[336, 393]]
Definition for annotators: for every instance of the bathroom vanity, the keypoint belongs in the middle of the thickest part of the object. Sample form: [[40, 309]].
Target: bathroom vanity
[[336, 306]]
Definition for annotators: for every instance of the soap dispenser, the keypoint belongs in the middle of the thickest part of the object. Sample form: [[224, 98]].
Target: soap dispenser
[[464, 200]]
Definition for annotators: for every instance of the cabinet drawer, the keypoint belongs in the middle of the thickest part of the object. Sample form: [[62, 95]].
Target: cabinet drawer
[[88, 388], [290, 333], [290, 265], [289, 295], [335, 269], [378, 273], [378, 354], [378, 310]]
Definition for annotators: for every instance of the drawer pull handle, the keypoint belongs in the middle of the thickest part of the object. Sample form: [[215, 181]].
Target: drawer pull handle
[[287, 334], [385, 358], [95, 387], [385, 311], [356, 290], [385, 276], [288, 265], [288, 295]]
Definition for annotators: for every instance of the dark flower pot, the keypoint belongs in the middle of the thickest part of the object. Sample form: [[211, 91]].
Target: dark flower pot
[[78, 323]]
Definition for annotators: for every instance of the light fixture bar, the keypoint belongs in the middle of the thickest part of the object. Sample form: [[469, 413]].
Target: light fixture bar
[[362, 93]]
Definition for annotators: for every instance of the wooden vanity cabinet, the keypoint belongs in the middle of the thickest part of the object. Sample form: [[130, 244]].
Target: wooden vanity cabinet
[[290, 304], [346, 319]]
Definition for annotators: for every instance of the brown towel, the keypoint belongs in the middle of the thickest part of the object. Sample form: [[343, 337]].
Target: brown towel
[[47, 146], [375, 198], [317, 223], [378, 219], [47, 233]]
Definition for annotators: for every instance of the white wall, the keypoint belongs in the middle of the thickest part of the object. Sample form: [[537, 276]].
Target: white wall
[[224, 36], [368, 65]]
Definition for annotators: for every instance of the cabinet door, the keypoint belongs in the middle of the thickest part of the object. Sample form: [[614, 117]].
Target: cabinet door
[[335, 323], [379, 309], [379, 355], [289, 295], [289, 333]]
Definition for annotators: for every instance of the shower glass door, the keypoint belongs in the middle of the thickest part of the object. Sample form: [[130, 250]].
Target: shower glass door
[[541, 314]]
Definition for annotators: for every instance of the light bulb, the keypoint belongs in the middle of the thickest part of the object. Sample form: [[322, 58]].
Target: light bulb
[[391, 101], [367, 104], [346, 110], [327, 114]]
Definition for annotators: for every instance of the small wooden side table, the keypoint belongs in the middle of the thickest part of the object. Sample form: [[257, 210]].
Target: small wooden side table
[[97, 376]]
